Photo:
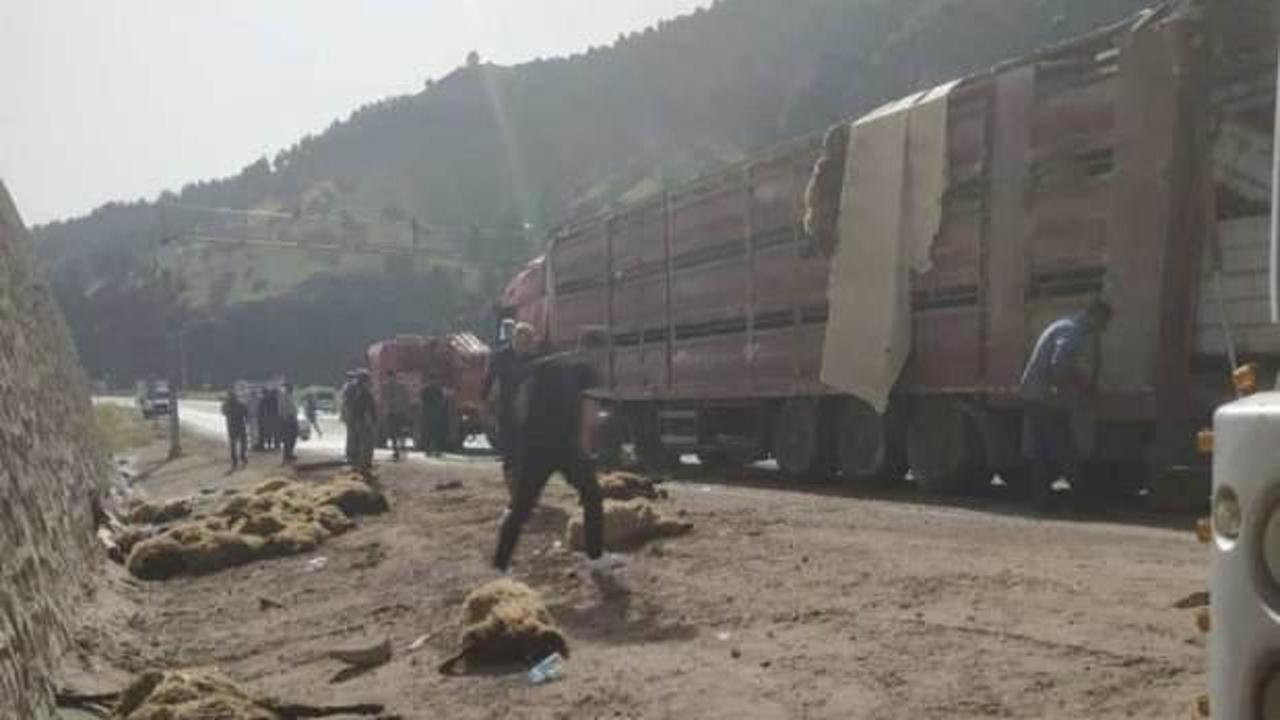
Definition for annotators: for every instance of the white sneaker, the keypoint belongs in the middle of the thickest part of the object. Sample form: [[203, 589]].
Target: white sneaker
[[606, 563]]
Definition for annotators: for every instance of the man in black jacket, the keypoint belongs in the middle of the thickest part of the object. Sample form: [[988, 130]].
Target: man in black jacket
[[555, 421], [506, 370], [237, 416]]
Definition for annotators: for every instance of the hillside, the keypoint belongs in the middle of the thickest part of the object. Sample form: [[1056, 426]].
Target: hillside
[[486, 152]]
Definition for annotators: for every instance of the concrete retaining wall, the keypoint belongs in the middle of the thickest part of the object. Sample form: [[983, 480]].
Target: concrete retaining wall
[[50, 470]]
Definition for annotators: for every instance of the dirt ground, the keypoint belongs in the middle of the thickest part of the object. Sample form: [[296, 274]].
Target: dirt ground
[[784, 602]]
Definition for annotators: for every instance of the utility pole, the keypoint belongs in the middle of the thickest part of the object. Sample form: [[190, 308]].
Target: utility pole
[[172, 298], [175, 381]]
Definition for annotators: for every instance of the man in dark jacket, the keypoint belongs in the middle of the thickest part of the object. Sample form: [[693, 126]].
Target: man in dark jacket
[[506, 370], [347, 399], [237, 416], [269, 418], [435, 418], [363, 420], [555, 424]]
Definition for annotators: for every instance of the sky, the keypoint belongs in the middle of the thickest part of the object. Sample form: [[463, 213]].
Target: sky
[[120, 99]]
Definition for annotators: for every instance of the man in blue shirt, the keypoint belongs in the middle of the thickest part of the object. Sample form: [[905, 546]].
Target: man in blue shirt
[[1060, 378]]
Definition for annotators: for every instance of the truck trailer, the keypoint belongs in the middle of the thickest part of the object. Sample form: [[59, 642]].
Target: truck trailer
[[945, 231]]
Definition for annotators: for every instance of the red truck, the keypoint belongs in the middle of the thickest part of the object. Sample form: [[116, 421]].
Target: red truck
[[1122, 165], [456, 361]]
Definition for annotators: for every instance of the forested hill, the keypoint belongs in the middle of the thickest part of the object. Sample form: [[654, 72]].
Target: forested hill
[[496, 149]]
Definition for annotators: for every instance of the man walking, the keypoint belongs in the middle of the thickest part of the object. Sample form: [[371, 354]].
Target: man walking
[[506, 370], [236, 415], [347, 398], [434, 419], [1060, 380], [363, 421], [288, 409], [555, 434], [255, 419], [312, 413], [395, 407]]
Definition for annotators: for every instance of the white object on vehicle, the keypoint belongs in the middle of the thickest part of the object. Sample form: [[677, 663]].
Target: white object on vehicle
[[1244, 586]]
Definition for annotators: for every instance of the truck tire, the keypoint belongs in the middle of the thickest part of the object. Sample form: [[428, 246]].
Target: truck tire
[[803, 445], [869, 450], [642, 427], [721, 462], [1104, 483], [942, 448]]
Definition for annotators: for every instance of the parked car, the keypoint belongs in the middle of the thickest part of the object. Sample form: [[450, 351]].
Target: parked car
[[154, 398]]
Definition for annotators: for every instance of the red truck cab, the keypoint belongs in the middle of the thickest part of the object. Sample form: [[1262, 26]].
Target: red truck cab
[[456, 361]]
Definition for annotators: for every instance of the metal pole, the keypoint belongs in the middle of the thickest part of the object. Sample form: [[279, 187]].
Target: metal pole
[[1227, 336], [175, 391]]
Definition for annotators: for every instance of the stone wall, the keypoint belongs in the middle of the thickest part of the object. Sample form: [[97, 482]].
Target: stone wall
[[50, 470]]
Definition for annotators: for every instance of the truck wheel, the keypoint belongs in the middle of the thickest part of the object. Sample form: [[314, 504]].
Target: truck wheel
[[650, 453], [944, 454], [1101, 483], [802, 442], [492, 439], [869, 446], [720, 462]]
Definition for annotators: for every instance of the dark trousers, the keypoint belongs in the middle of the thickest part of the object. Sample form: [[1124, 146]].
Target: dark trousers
[[288, 438], [435, 426], [394, 426], [533, 468], [238, 441], [507, 444], [1049, 445]]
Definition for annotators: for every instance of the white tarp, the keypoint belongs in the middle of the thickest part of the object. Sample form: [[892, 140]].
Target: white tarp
[[891, 209]]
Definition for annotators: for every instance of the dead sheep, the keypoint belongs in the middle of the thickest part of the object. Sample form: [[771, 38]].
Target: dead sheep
[[822, 196], [628, 525], [279, 518], [505, 622], [191, 549], [188, 696], [350, 494], [628, 486], [145, 513]]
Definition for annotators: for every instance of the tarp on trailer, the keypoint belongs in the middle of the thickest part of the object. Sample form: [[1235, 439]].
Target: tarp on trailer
[[891, 209]]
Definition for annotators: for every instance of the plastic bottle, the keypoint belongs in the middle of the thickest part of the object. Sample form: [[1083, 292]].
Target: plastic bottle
[[551, 668]]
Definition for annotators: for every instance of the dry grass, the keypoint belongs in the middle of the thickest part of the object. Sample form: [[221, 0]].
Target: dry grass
[[123, 428]]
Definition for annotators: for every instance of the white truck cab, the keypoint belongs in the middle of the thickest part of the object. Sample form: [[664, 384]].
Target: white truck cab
[[1244, 646]]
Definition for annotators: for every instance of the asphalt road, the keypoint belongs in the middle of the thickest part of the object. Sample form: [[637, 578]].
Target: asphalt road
[[204, 418]]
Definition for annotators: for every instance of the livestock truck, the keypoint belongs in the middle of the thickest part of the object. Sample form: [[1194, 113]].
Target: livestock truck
[[456, 362], [945, 232]]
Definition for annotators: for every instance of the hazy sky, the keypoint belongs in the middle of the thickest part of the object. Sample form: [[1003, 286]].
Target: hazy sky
[[120, 99]]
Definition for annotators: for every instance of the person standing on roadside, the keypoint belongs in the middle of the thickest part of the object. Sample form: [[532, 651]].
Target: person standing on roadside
[[363, 419], [236, 415], [557, 432], [288, 409], [269, 418], [395, 412], [1059, 382], [255, 419], [312, 413], [506, 370], [347, 398], [434, 420]]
